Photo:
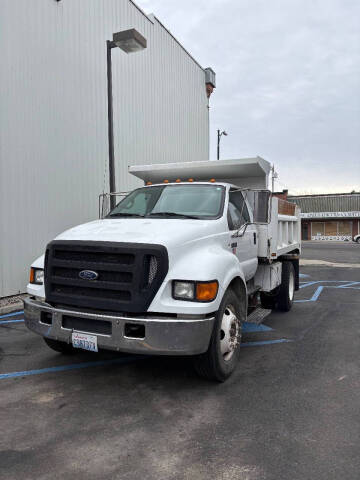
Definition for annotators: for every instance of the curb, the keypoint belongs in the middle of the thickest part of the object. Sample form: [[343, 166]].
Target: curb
[[12, 307]]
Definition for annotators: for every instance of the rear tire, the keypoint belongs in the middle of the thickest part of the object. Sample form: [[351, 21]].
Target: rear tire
[[222, 356], [285, 297], [60, 347]]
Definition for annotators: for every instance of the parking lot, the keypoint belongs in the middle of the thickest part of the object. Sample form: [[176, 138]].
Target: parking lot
[[290, 411]]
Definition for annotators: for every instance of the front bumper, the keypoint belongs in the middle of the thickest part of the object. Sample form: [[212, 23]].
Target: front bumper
[[163, 336]]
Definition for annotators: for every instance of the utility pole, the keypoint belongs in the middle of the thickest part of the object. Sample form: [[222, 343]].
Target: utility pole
[[219, 135]]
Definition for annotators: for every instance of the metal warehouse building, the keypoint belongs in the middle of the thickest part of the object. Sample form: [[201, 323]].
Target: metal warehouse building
[[329, 217], [54, 116]]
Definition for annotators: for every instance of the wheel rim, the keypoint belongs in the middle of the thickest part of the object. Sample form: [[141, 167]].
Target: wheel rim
[[291, 285], [229, 333]]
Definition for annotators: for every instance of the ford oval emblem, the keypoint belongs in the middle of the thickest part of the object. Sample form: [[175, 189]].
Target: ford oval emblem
[[88, 275]]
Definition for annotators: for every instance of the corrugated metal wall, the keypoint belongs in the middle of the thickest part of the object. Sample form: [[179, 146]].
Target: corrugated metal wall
[[328, 203], [53, 118]]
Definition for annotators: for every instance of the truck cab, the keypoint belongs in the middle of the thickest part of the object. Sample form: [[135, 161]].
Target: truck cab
[[173, 269]]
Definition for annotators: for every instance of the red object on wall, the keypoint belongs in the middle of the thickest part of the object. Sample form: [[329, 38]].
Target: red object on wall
[[209, 89]]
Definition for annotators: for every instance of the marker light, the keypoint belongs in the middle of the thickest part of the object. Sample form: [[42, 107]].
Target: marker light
[[148, 183], [178, 180], [212, 180], [166, 181], [190, 180]]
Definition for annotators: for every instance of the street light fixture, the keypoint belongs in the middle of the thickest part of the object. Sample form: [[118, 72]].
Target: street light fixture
[[219, 135], [129, 41]]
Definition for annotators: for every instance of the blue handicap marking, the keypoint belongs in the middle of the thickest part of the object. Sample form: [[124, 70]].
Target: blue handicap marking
[[13, 314], [253, 327], [322, 284]]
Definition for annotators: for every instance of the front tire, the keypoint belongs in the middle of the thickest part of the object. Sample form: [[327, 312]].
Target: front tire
[[222, 356], [60, 347]]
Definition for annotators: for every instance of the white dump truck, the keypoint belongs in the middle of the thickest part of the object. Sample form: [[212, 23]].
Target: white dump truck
[[175, 268]]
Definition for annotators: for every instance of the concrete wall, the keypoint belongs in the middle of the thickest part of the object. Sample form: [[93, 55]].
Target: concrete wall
[[53, 117]]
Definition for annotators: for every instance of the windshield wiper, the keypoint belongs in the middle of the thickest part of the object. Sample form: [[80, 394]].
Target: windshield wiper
[[171, 214], [126, 215]]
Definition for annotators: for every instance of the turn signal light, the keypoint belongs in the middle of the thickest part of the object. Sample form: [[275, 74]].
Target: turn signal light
[[206, 291], [32, 275]]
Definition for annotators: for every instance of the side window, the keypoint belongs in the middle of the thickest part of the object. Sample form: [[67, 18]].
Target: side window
[[238, 213]]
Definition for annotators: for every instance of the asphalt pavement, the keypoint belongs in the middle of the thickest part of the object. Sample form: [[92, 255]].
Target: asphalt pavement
[[342, 252], [291, 410]]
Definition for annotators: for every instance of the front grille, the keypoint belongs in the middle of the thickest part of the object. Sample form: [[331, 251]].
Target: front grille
[[128, 275]]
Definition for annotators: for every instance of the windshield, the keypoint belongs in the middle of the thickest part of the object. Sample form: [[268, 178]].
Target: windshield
[[173, 201]]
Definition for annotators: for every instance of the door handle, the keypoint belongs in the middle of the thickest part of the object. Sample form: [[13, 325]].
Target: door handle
[[254, 238]]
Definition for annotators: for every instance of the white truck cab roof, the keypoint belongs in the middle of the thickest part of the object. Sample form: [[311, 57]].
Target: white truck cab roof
[[243, 173]]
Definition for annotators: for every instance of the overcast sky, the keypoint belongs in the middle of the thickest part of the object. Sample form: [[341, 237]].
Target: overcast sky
[[288, 82]]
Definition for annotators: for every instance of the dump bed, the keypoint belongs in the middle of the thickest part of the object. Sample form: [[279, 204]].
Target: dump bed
[[244, 172], [282, 234]]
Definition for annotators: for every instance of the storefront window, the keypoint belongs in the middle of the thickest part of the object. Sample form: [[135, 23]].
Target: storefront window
[[331, 228], [317, 229], [345, 228]]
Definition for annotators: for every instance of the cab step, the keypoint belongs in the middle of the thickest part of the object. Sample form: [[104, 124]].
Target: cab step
[[258, 315]]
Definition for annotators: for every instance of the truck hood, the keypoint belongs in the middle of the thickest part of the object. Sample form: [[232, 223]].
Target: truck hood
[[167, 232]]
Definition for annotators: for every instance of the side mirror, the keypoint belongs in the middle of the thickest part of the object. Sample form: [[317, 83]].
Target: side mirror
[[241, 231]]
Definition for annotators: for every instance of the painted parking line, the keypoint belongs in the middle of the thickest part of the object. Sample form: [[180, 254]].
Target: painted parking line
[[74, 366], [4, 322], [12, 314], [115, 361], [343, 284], [266, 342]]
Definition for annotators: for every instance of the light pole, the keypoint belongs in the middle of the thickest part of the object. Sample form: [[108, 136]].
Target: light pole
[[219, 135], [274, 175], [129, 41]]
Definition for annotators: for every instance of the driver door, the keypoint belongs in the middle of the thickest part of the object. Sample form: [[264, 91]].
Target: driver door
[[245, 247]]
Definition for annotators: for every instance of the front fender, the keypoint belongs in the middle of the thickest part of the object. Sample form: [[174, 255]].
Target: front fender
[[202, 263]]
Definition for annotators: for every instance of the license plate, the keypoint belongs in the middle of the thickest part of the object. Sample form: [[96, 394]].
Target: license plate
[[84, 341]]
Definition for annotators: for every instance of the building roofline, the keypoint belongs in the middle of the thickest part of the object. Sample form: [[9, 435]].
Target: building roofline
[[141, 11], [325, 195], [154, 17]]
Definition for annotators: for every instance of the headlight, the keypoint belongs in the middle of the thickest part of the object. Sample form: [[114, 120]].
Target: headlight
[[184, 290], [37, 276], [195, 291]]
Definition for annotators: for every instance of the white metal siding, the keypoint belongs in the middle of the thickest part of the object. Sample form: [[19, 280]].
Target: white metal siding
[[53, 117]]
